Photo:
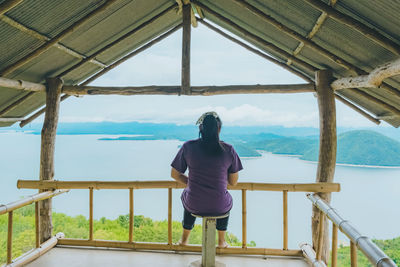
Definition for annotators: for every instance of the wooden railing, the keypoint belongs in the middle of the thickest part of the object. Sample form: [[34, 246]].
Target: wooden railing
[[170, 185], [374, 254], [9, 208]]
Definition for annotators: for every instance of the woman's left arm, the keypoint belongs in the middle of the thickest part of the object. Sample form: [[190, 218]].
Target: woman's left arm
[[179, 177]]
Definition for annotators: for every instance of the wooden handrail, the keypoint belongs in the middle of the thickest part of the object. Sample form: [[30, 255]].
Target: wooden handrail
[[306, 187]]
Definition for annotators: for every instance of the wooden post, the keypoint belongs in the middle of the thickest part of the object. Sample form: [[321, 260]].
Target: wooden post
[[321, 236], [48, 139], [353, 254], [9, 237], [334, 245], [131, 218], [327, 152], [244, 219], [91, 213], [37, 224], [186, 32], [285, 220], [169, 216]]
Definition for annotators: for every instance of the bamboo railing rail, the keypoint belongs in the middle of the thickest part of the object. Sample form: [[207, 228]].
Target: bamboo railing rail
[[170, 185], [374, 254], [9, 208]]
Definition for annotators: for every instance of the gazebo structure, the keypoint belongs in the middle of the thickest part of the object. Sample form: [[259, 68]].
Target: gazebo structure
[[345, 50]]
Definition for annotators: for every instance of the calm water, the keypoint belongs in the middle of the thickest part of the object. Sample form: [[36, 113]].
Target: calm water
[[369, 196]]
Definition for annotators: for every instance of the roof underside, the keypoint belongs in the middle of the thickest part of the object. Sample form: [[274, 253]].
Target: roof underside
[[51, 17]]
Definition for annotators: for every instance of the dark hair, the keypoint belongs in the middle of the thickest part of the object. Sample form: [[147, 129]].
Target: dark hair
[[209, 135]]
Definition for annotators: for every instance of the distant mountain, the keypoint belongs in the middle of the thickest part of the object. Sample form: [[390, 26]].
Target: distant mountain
[[363, 148]]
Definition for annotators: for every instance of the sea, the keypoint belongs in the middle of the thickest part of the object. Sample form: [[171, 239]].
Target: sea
[[369, 196]]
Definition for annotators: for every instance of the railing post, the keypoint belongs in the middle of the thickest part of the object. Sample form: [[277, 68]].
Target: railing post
[[37, 224], [131, 216], [334, 244], [244, 219], [9, 239], [285, 220], [169, 216], [320, 235], [353, 254], [91, 213]]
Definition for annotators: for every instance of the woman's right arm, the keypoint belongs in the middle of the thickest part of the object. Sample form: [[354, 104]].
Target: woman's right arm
[[180, 177], [233, 178]]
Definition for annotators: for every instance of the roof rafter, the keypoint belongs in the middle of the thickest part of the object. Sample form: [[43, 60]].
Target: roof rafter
[[356, 108], [16, 103], [255, 38], [120, 39], [7, 5], [44, 38], [318, 24], [357, 25], [107, 69], [292, 33], [56, 39]]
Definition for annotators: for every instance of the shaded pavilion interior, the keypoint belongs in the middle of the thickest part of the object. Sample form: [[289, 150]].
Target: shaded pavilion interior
[[344, 50]]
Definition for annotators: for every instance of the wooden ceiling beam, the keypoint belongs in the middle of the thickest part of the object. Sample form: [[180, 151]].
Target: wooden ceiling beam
[[44, 38], [196, 90], [292, 33], [256, 51], [357, 25], [7, 5], [186, 39], [56, 39], [373, 80], [120, 39]]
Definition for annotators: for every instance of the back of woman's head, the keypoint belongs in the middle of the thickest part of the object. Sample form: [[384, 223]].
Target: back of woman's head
[[209, 128]]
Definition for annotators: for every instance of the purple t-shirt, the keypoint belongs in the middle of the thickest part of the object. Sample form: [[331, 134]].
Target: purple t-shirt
[[206, 192]]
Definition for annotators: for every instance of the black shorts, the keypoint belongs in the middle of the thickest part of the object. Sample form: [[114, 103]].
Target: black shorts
[[189, 220]]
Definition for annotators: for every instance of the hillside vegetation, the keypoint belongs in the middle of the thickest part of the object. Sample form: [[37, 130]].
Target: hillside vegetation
[[145, 229]]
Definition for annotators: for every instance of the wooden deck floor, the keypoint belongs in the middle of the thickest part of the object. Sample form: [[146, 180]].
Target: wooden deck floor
[[74, 257]]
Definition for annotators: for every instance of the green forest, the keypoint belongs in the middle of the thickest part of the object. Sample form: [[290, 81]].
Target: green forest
[[145, 230]]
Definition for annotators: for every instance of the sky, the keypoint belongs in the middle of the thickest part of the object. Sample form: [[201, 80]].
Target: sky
[[214, 61]]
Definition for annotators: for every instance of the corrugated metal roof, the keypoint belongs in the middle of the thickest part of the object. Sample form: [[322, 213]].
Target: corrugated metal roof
[[51, 17]]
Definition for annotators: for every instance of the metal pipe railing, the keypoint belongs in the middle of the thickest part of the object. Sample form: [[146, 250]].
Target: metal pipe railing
[[374, 254]]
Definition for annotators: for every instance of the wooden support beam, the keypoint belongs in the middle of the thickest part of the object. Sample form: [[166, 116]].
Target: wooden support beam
[[382, 104], [7, 5], [16, 103], [10, 119], [327, 154], [117, 41], [292, 33], [131, 215], [48, 138], [359, 110], [255, 38], [257, 52], [107, 69], [196, 90], [373, 80], [41, 37], [285, 220], [186, 38], [244, 219], [357, 25], [56, 39], [22, 85], [334, 245], [9, 237], [35, 184]]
